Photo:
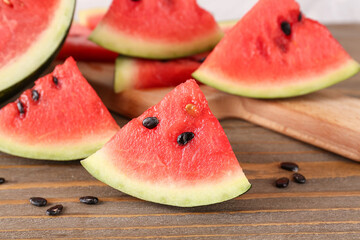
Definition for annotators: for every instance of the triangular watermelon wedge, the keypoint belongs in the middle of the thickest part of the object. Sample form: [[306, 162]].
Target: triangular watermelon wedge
[[60, 118], [274, 51], [181, 158], [157, 29]]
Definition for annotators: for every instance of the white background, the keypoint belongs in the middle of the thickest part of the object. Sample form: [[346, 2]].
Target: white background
[[325, 11]]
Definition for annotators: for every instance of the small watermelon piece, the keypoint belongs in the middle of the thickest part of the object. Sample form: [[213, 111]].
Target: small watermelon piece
[[91, 17], [274, 51], [136, 73], [31, 33], [182, 158], [157, 29], [60, 118], [78, 46]]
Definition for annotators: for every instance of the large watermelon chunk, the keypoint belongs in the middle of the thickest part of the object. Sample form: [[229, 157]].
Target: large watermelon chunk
[[78, 46], [274, 51], [137, 73], [181, 158], [31, 32], [60, 118], [157, 29]]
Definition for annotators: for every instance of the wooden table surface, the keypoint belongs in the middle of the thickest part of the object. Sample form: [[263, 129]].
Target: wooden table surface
[[326, 207]]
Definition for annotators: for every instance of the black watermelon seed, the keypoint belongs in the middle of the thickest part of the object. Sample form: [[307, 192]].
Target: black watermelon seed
[[20, 107], [55, 210], [300, 17], [185, 137], [2, 180], [299, 178], [286, 28], [55, 80], [89, 200], [35, 95], [290, 166], [282, 182], [38, 201], [202, 60], [150, 122]]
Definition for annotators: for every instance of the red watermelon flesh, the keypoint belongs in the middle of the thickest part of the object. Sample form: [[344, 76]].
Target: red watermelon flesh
[[151, 164], [23, 23], [136, 73], [258, 58], [60, 118], [157, 29], [80, 48], [31, 32]]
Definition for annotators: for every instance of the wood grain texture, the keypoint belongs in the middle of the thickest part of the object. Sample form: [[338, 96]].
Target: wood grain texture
[[326, 207]]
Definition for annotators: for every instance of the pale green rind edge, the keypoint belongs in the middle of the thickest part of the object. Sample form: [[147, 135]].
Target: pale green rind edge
[[227, 23], [21, 68], [124, 73], [302, 87], [61, 152], [99, 166], [116, 41]]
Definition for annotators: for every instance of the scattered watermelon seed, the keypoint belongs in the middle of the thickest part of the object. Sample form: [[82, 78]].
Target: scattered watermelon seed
[[185, 137], [300, 17], [20, 107], [299, 178], [55, 210], [38, 201], [286, 28], [290, 166], [35, 95], [55, 80], [150, 122], [89, 200], [282, 182], [2, 180]]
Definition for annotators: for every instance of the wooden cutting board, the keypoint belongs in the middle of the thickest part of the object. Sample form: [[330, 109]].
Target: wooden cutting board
[[326, 119]]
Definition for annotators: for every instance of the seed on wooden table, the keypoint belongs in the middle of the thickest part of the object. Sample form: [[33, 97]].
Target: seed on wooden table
[[55, 210], [299, 178], [2, 180], [282, 182], [89, 200], [38, 201], [290, 166]]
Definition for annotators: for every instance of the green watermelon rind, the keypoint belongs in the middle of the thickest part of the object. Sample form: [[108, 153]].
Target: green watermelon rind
[[113, 40], [36, 59], [104, 170], [268, 91], [124, 73], [73, 150]]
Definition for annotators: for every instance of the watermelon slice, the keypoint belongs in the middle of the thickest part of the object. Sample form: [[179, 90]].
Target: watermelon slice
[[274, 51], [157, 29], [136, 73], [91, 17], [175, 153], [60, 118], [31, 33], [80, 48]]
